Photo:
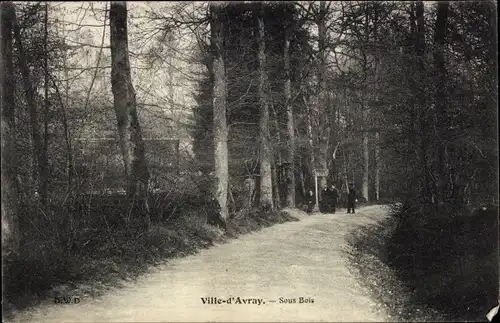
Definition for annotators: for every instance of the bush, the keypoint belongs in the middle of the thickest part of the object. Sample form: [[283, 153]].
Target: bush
[[449, 255], [255, 219]]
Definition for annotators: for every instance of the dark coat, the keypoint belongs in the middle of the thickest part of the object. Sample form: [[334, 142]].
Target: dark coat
[[310, 197], [325, 194], [310, 200], [334, 195], [351, 196]]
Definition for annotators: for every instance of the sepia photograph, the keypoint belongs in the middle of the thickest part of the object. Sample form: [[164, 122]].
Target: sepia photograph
[[249, 161]]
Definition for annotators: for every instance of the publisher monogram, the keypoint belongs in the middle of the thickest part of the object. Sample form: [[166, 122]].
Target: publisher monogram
[[66, 300]]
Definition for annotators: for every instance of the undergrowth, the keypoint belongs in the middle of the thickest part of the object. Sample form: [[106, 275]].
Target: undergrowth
[[431, 262], [100, 251]]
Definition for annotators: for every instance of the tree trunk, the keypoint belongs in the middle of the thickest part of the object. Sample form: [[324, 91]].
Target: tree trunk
[[324, 129], [493, 99], [290, 180], [346, 174], [277, 160], [440, 84], [302, 177], [266, 185], [334, 139], [377, 166], [67, 134], [365, 113], [44, 176], [366, 178], [219, 110], [119, 85], [420, 94], [10, 226], [38, 160], [310, 141], [276, 190], [125, 105], [64, 106], [377, 104]]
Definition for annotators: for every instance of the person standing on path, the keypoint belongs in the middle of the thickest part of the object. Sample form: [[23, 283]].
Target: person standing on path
[[351, 199], [324, 205], [334, 195], [310, 201]]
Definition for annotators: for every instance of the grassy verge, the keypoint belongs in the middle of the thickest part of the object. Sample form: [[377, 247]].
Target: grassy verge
[[368, 260], [449, 256], [104, 258], [432, 263]]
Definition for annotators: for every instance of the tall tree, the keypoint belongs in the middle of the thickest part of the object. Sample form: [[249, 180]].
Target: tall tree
[[377, 101], [67, 130], [441, 100], [277, 159], [125, 105], [10, 227], [310, 160], [492, 101], [266, 185], [44, 176], [290, 180], [323, 120], [418, 23], [39, 163], [219, 108], [365, 112]]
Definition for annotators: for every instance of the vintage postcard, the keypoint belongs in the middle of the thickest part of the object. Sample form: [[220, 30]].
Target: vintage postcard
[[249, 161]]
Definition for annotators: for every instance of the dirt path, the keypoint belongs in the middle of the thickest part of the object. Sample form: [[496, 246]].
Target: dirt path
[[292, 260]]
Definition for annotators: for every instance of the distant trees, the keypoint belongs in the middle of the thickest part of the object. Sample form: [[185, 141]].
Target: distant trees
[[441, 113], [356, 104], [37, 52], [255, 58], [353, 98], [46, 116]]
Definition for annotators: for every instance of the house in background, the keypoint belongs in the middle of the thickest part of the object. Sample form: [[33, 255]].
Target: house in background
[[97, 152]]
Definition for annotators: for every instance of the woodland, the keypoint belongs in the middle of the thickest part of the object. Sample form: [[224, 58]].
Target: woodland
[[398, 98]]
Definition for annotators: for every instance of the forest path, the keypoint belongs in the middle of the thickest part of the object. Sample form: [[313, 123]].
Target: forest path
[[291, 260]]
